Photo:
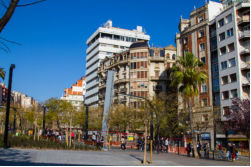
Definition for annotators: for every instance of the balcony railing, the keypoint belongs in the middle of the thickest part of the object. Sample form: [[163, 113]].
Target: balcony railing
[[245, 80], [243, 19], [245, 65], [244, 34], [155, 78], [157, 58]]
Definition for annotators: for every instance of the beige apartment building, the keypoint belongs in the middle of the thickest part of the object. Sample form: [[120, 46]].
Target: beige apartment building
[[140, 71]]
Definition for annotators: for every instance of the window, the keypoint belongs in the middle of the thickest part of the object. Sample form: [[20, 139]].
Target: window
[[223, 50], [230, 47], [224, 80], [230, 32], [200, 19], [248, 76], [229, 18], [223, 65], [201, 33], [202, 46], [173, 56], [133, 65], [203, 60], [226, 111], [225, 95], [233, 78], [203, 88], [204, 102], [232, 62], [221, 23], [185, 40], [151, 53], [122, 38], [234, 93], [162, 53], [222, 36]]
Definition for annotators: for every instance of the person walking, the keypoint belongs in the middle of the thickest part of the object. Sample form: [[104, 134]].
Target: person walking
[[166, 145], [220, 153], [198, 149], [93, 139], [234, 152], [139, 141], [231, 152], [123, 143], [188, 149]]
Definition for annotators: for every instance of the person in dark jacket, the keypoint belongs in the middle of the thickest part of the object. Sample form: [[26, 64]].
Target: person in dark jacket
[[188, 149], [199, 148]]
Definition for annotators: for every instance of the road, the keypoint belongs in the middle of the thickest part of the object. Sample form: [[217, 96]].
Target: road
[[34, 157]]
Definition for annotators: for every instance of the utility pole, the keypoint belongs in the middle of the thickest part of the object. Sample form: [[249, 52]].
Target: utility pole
[[5, 143], [86, 121]]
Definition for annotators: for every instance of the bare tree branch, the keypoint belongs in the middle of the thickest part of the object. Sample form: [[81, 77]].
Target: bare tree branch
[[6, 17], [13, 42], [32, 3], [6, 47]]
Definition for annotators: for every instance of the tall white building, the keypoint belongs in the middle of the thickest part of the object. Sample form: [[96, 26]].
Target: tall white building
[[232, 27], [106, 41]]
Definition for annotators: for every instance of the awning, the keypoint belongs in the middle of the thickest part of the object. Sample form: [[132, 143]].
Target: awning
[[238, 139]]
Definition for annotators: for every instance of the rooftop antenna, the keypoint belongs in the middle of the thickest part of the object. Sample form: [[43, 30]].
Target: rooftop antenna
[[194, 7], [205, 1], [181, 17]]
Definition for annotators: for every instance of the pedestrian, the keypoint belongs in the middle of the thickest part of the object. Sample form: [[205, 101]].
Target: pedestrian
[[162, 144], [143, 144], [123, 143], [234, 152], [228, 151], [166, 145], [198, 149], [72, 136], [188, 149], [220, 153], [205, 150], [138, 142], [231, 151], [93, 139]]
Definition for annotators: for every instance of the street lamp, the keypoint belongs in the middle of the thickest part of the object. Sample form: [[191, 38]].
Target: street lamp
[[5, 144]]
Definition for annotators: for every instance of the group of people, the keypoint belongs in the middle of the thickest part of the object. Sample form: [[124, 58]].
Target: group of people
[[199, 147], [57, 135], [163, 144], [231, 154]]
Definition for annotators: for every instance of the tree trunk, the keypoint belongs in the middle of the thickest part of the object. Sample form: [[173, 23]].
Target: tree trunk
[[35, 130], [38, 131], [192, 128], [66, 137], [70, 133]]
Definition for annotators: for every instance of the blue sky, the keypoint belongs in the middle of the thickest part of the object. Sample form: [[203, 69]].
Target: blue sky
[[52, 35]]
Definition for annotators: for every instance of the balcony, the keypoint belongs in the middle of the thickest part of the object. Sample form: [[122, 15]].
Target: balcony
[[157, 59], [244, 34], [123, 99], [123, 90], [243, 20], [245, 81], [101, 96], [155, 78], [244, 51], [245, 65], [121, 81]]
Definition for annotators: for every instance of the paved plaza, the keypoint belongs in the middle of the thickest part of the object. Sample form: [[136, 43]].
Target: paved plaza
[[115, 157]]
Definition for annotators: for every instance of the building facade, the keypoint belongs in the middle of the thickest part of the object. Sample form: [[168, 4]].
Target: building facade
[[231, 31], [194, 37], [76, 94], [139, 71], [105, 42]]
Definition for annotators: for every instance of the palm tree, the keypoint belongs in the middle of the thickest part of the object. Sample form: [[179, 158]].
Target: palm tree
[[188, 73], [2, 73]]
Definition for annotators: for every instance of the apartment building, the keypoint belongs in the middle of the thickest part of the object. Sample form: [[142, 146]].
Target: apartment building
[[76, 94], [230, 49], [194, 37], [105, 42], [140, 71]]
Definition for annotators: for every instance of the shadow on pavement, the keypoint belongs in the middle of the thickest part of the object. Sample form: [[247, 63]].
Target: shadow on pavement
[[9, 157]]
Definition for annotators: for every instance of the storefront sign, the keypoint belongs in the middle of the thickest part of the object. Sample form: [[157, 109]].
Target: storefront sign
[[205, 136]]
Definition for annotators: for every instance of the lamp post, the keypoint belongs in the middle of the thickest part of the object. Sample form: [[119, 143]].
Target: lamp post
[[86, 121], [5, 144]]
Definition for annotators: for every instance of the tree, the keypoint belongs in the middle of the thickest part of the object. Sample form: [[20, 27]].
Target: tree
[[238, 120], [2, 73], [188, 73]]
